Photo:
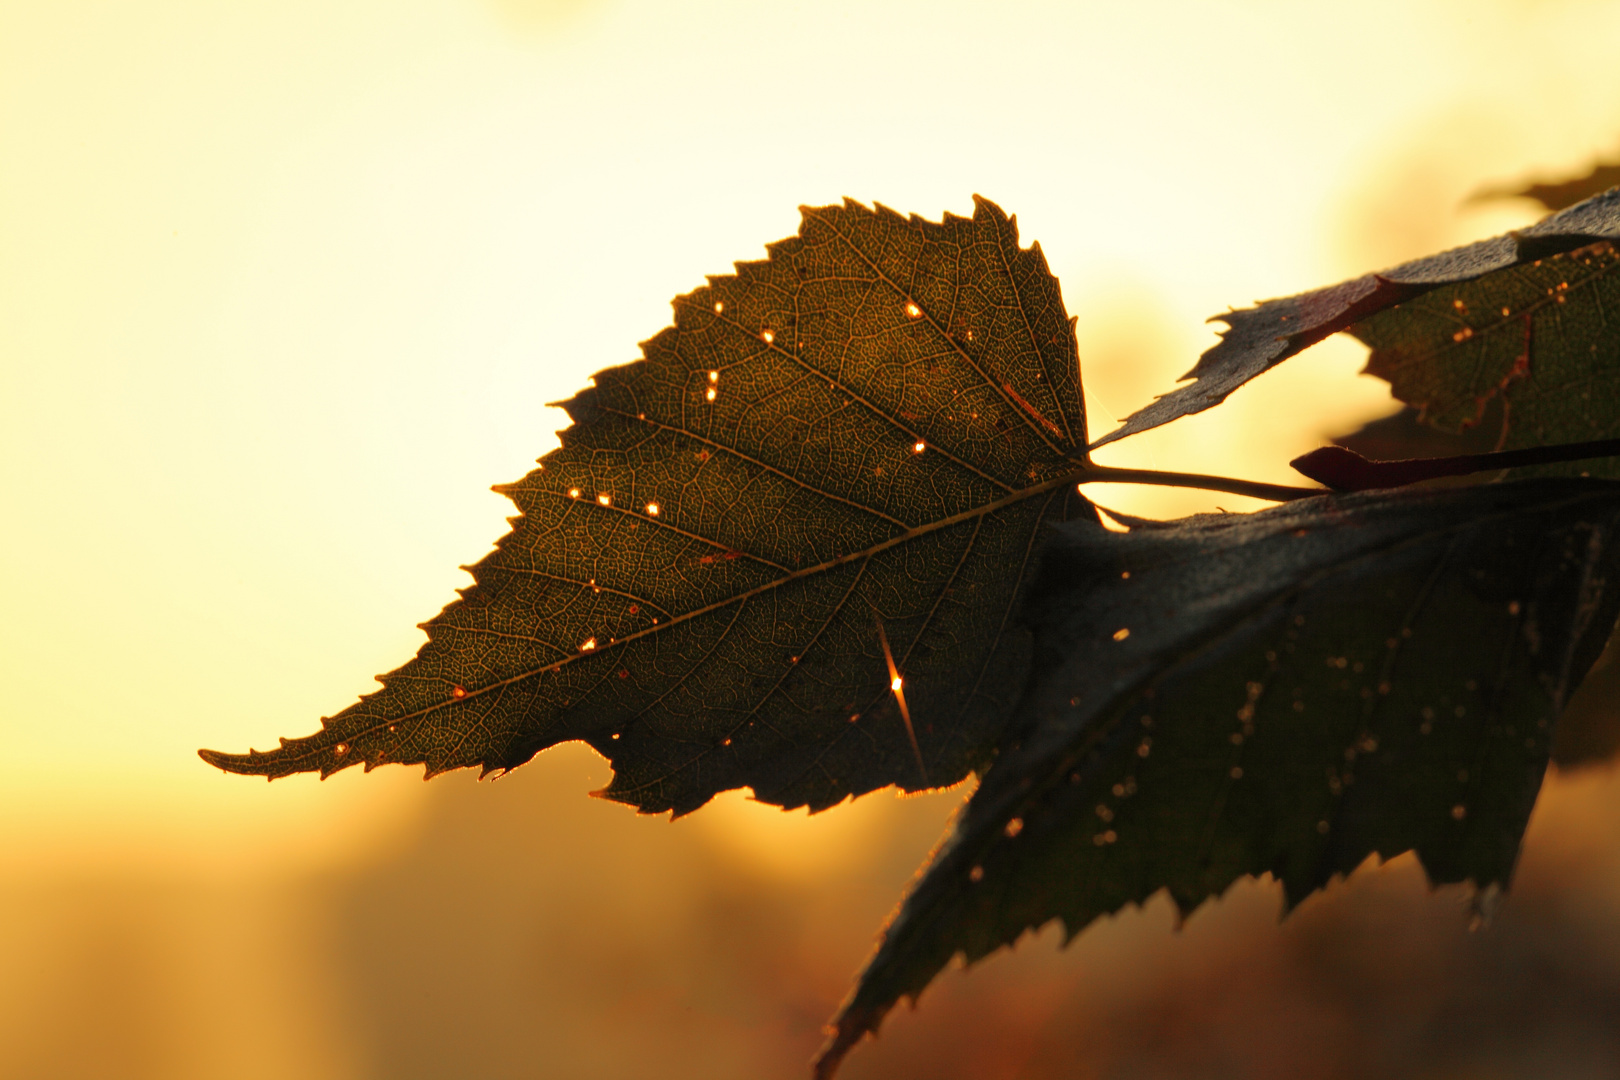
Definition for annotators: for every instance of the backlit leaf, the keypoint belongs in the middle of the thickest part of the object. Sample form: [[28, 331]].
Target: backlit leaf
[[842, 455], [1543, 337], [1287, 692], [1260, 338]]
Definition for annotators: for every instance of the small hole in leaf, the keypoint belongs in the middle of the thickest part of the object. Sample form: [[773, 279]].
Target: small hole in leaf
[[340, 749], [1014, 827], [587, 645], [767, 336], [573, 493], [652, 509], [605, 499], [719, 306], [458, 692], [1122, 633], [710, 394], [913, 310]]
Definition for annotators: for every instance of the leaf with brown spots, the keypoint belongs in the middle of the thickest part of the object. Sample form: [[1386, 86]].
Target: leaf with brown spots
[[861, 439], [1287, 692], [1258, 339], [1543, 338]]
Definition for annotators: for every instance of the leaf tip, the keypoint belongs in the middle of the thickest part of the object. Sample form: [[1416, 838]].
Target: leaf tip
[[215, 758], [852, 1026]]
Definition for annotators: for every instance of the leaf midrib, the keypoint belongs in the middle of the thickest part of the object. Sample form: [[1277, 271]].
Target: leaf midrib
[[983, 510]]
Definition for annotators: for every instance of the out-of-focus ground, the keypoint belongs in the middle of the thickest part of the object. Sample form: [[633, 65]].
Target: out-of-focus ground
[[284, 287], [523, 930]]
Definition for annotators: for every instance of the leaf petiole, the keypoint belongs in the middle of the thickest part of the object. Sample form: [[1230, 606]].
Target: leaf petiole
[[1105, 474], [1343, 469]]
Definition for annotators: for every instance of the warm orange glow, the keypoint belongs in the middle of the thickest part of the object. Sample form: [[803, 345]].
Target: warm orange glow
[[334, 259]]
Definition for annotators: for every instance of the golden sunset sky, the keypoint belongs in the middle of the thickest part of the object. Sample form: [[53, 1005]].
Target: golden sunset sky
[[285, 287]]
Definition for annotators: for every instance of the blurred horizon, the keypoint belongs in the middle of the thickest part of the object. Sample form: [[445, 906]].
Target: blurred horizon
[[284, 289]]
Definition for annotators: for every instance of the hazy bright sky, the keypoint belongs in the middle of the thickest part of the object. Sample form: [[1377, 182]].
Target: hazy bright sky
[[284, 288]]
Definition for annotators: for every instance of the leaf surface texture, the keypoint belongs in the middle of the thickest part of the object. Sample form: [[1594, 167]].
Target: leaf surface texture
[[1257, 339], [1287, 692], [1543, 336], [849, 449]]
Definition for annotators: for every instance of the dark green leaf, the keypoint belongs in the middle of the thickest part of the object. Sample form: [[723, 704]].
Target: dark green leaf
[[1543, 337], [1283, 693], [847, 449], [1260, 338]]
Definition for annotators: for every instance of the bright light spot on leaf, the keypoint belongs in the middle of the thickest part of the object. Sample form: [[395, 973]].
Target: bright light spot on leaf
[[458, 692], [340, 749], [1014, 827], [919, 447], [714, 376], [605, 499], [719, 307], [652, 509], [767, 336], [573, 493], [913, 310], [1122, 633], [976, 874], [895, 683], [710, 394], [1459, 812], [589, 644]]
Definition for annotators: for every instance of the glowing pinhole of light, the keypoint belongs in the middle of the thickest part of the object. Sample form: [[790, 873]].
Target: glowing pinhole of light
[[652, 509], [605, 499]]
